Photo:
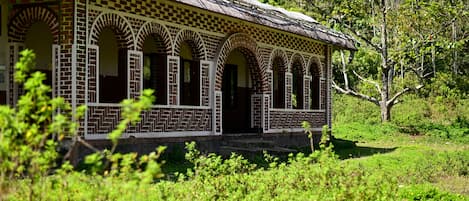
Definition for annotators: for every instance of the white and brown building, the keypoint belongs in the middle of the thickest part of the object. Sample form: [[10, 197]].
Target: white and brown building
[[217, 66]]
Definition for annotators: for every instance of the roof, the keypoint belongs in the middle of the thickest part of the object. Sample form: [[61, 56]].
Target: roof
[[278, 18]]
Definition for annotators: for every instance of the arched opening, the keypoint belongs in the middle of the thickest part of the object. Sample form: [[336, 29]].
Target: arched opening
[[297, 93], [189, 75], [278, 83], [39, 38], [112, 68], [154, 67], [237, 88], [315, 89]]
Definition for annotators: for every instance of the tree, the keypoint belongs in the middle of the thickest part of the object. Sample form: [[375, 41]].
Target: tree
[[410, 38]]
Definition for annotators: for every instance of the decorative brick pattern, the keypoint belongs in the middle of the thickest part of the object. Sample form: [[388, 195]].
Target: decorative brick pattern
[[288, 90], [205, 83], [103, 119], [266, 112], [212, 37], [256, 110], [192, 17], [80, 52], [55, 69], [173, 82], [280, 119], [93, 56], [218, 112], [306, 92], [250, 50], [151, 28], [194, 40], [211, 43], [22, 21], [135, 59], [118, 24]]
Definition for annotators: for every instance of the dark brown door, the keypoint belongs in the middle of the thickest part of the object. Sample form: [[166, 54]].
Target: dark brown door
[[236, 104]]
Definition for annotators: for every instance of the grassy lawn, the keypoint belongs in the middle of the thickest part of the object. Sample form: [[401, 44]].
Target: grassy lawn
[[414, 159]]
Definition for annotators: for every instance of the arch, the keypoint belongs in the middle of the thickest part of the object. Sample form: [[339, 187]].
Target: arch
[[118, 24], [194, 39], [278, 53], [297, 58], [278, 77], [150, 28], [317, 61], [248, 46], [25, 18]]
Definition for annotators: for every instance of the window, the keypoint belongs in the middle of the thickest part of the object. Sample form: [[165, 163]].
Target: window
[[112, 68], [155, 69], [279, 83], [189, 77], [315, 87], [297, 94]]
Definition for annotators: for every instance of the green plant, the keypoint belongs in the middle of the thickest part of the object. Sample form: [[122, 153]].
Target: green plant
[[31, 131]]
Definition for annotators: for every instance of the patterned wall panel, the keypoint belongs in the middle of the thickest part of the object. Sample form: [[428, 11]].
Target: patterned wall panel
[[173, 80], [292, 118], [103, 119], [93, 56], [135, 60], [256, 110], [205, 83], [218, 112], [306, 93], [288, 90], [266, 112]]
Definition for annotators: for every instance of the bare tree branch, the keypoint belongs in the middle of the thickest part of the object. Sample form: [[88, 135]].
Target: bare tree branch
[[344, 69], [369, 81], [393, 100], [355, 94]]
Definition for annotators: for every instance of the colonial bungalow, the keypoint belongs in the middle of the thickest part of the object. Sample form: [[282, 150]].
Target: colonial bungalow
[[217, 66]]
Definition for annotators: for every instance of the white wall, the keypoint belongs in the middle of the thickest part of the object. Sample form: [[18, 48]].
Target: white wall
[[108, 53], [39, 38], [244, 76]]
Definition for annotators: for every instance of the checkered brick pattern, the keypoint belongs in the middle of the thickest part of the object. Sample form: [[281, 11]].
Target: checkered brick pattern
[[192, 17]]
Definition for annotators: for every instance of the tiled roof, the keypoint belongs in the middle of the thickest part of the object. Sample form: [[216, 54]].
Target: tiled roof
[[279, 18]]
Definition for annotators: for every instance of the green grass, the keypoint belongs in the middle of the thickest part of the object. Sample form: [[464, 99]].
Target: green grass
[[393, 167], [424, 158]]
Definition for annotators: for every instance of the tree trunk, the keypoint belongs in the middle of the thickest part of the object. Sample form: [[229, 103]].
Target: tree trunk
[[385, 68], [385, 112]]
